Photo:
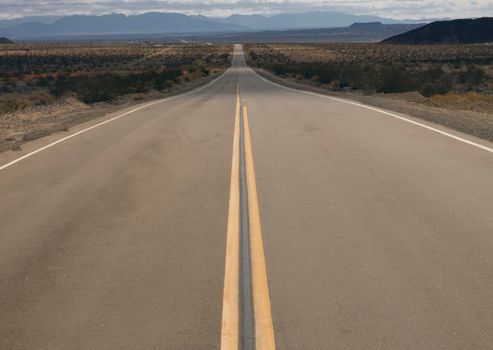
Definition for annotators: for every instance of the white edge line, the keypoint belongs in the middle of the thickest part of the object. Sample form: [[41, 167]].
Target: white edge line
[[110, 120], [471, 143]]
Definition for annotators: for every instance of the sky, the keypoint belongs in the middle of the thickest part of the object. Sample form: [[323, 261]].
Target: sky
[[411, 9]]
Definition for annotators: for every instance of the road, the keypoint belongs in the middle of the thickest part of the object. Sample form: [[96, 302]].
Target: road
[[369, 231]]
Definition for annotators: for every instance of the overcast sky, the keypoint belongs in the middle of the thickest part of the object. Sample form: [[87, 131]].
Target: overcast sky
[[388, 8]]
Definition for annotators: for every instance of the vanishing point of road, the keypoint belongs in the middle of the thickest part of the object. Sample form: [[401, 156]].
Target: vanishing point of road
[[246, 215]]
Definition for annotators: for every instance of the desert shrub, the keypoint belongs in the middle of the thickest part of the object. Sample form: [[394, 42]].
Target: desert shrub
[[435, 81], [253, 55], [380, 78], [386, 78], [280, 69], [106, 87], [472, 76], [394, 79], [168, 84], [431, 70], [42, 82], [15, 104]]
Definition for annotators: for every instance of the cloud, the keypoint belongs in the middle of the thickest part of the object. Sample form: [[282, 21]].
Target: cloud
[[386, 8]]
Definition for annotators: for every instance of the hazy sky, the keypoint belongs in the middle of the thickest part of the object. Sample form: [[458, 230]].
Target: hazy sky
[[387, 8]]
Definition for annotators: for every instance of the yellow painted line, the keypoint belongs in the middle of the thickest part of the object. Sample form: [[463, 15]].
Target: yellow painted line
[[230, 316], [264, 330]]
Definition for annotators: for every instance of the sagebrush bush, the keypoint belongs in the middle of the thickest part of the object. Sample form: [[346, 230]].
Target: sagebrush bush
[[106, 87], [15, 104], [378, 77]]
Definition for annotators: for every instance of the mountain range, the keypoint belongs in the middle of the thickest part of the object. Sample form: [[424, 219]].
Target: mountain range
[[169, 23], [152, 22], [5, 23]]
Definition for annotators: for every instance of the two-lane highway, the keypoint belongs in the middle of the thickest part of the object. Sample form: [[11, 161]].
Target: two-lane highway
[[369, 231]]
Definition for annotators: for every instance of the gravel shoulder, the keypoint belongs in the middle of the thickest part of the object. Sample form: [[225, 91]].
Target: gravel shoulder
[[478, 124]]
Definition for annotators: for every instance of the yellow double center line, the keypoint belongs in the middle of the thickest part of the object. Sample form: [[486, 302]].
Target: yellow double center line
[[231, 328]]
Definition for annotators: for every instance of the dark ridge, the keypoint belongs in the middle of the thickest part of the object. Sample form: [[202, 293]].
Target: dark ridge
[[460, 31], [361, 25], [5, 41]]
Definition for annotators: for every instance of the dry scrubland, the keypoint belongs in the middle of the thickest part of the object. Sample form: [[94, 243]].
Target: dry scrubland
[[446, 84], [49, 87]]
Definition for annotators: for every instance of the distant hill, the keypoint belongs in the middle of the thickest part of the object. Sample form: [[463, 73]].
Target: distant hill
[[357, 32], [6, 41], [460, 31], [5, 23], [152, 22]]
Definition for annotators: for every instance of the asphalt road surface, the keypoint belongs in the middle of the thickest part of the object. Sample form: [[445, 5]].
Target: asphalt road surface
[[377, 232]]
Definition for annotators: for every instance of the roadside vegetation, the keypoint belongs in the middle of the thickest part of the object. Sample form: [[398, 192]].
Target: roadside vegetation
[[381, 68], [451, 77], [38, 74], [44, 85]]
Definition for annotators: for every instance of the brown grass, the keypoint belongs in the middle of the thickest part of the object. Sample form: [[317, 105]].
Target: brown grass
[[470, 101]]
